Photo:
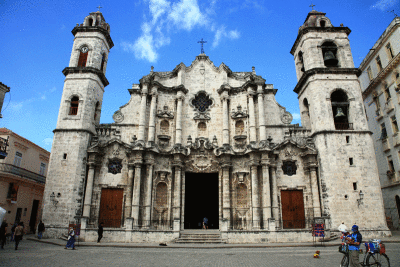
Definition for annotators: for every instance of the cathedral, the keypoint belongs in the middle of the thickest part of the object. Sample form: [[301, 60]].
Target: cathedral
[[207, 141]]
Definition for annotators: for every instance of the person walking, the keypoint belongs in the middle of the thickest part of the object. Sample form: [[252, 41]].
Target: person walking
[[18, 234], [100, 232], [3, 233], [41, 229], [205, 223], [13, 230], [71, 239], [354, 240]]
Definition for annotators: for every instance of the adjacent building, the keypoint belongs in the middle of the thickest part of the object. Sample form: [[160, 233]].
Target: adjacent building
[[207, 141], [22, 179], [380, 85]]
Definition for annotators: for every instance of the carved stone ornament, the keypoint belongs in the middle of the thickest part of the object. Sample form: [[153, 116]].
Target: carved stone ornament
[[118, 116], [286, 117], [165, 113], [289, 153], [239, 114], [201, 117], [202, 163]]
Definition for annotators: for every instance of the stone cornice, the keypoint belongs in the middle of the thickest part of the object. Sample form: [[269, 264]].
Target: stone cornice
[[381, 75], [340, 132], [94, 29], [268, 88], [4, 87], [99, 73], [73, 130], [313, 71], [317, 29]]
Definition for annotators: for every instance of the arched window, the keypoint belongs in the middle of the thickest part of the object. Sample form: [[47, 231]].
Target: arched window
[[322, 23], [305, 118], [398, 204], [239, 127], [164, 127], [103, 60], [242, 196], [329, 53], [96, 110], [73, 110], [340, 108], [202, 128], [301, 61], [161, 195], [83, 56], [90, 22]]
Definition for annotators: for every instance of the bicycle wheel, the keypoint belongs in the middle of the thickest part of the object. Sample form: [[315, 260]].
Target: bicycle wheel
[[378, 260], [345, 261]]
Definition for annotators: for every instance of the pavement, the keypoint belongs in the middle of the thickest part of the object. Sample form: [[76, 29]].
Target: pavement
[[395, 238]]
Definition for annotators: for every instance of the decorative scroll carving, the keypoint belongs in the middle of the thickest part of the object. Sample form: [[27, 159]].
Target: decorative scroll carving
[[286, 117], [118, 116]]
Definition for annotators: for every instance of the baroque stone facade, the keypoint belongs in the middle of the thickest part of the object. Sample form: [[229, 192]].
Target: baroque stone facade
[[205, 134]]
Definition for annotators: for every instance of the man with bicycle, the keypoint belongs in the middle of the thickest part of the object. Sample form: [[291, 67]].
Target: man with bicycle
[[354, 240]]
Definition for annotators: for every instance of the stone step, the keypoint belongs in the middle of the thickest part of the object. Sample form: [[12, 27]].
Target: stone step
[[200, 237], [203, 236]]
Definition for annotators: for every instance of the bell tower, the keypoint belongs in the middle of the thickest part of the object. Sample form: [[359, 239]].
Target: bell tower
[[79, 113], [331, 106]]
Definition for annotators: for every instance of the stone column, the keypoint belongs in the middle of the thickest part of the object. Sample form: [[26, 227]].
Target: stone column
[[89, 189], [147, 195], [177, 195], [261, 115], [178, 136], [274, 187], [152, 120], [136, 195], [225, 112], [226, 201], [266, 196], [255, 199], [128, 206], [252, 119], [142, 119], [315, 192]]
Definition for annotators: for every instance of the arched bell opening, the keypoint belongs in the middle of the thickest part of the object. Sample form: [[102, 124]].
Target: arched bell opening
[[305, 114], [90, 22], [340, 108], [73, 109], [329, 53], [301, 61]]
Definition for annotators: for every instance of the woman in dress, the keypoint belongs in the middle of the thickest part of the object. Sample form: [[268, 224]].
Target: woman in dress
[[71, 239]]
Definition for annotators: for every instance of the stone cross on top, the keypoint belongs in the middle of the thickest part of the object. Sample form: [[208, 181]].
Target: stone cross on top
[[312, 6], [202, 42], [99, 7]]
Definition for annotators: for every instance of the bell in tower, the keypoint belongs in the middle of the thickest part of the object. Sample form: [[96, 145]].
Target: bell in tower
[[329, 50]]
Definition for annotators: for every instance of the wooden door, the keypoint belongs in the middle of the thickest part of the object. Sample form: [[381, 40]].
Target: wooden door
[[111, 207], [292, 209]]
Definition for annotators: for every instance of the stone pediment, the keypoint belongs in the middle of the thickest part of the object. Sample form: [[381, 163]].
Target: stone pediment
[[99, 146], [289, 147]]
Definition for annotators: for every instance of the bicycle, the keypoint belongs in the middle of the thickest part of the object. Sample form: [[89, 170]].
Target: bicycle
[[374, 254]]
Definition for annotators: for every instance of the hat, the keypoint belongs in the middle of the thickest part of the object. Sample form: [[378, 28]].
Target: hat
[[354, 228]]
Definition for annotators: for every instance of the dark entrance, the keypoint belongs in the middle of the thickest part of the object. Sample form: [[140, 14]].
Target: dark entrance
[[32, 221], [201, 200]]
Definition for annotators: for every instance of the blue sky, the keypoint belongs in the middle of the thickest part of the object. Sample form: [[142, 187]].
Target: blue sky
[[36, 43]]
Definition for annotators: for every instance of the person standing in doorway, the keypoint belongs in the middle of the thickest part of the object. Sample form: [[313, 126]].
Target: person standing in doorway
[[354, 240], [71, 239], [41, 229], [3, 233], [100, 232], [205, 223], [18, 234]]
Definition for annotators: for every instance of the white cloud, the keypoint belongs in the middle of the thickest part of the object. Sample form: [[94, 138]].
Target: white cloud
[[384, 5], [296, 116], [53, 89], [48, 141], [181, 15], [16, 106], [221, 32]]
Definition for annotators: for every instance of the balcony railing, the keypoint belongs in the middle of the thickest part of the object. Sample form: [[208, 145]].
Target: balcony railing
[[343, 126], [9, 168]]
